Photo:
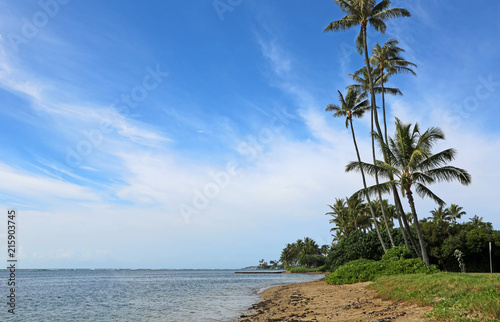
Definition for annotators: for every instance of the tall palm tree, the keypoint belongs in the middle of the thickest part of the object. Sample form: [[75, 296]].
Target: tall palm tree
[[386, 59], [363, 13], [456, 212], [355, 105], [412, 165], [363, 84], [361, 78]]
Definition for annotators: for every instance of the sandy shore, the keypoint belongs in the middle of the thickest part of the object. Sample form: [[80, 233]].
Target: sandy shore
[[319, 301]]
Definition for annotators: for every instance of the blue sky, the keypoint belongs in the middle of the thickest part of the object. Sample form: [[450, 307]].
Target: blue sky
[[192, 134]]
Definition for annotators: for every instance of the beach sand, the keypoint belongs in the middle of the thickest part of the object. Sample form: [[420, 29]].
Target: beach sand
[[319, 301]]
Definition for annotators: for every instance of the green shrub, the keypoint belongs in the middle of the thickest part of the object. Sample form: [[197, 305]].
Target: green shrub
[[396, 253], [360, 270], [406, 266], [363, 270], [300, 269]]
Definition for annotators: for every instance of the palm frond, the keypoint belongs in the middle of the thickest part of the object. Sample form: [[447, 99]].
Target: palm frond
[[345, 23], [423, 192], [383, 5], [450, 173], [391, 13], [438, 159]]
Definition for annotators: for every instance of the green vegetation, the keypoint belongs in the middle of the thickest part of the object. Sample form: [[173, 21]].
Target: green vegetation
[[409, 166], [406, 164], [302, 269], [444, 236], [363, 13], [304, 253], [396, 261], [359, 245], [455, 297]]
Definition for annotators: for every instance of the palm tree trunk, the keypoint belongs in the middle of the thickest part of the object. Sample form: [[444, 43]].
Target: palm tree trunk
[[425, 258], [397, 201], [399, 206], [366, 192], [373, 103], [383, 107], [403, 232]]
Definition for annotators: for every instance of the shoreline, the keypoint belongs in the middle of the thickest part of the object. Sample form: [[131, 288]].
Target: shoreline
[[319, 301]]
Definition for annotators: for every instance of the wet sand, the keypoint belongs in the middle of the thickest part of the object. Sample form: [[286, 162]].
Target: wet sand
[[319, 301]]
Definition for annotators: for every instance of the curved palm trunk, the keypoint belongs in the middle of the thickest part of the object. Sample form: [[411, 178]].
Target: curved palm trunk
[[383, 107], [425, 258], [374, 112], [397, 200], [366, 193]]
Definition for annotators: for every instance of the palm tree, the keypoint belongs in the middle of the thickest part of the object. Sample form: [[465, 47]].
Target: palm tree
[[363, 84], [310, 247], [476, 220], [456, 212], [357, 213], [363, 13], [324, 250], [289, 255], [340, 218], [355, 105], [361, 77], [441, 213], [386, 58], [411, 164]]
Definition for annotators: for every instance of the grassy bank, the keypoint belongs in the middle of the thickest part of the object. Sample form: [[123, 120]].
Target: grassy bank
[[455, 296]]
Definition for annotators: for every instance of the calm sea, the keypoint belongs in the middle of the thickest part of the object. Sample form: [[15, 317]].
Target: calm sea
[[136, 295]]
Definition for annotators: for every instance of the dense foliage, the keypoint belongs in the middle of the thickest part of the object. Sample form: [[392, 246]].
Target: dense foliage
[[305, 253], [360, 245], [444, 237], [395, 262]]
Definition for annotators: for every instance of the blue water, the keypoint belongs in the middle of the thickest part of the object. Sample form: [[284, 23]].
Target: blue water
[[136, 295]]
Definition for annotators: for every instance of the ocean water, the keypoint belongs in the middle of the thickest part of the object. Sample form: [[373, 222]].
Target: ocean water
[[136, 295]]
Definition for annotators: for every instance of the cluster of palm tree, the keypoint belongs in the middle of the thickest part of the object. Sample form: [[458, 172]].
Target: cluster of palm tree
[[450, 214], [408, 163], [303, 252], [352, 213]]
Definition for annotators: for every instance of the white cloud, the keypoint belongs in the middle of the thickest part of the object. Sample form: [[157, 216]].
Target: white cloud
[[35, 187]]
